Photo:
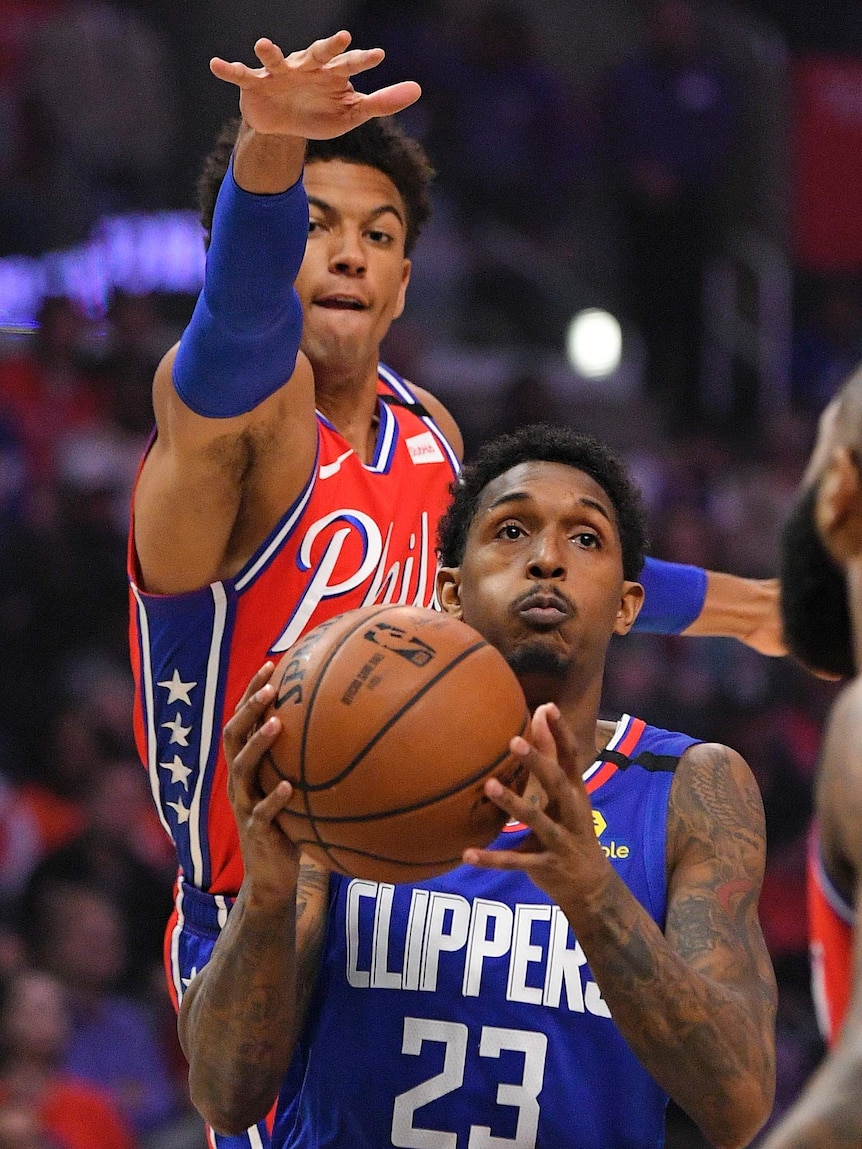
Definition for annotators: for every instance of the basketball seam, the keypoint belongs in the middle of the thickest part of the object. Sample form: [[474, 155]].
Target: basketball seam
[[390, 722], [307, 717], [438, 796], [358, 758]]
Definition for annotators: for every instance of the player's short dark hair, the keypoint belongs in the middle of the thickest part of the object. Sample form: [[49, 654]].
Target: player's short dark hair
[[539, 442], [379, 143]]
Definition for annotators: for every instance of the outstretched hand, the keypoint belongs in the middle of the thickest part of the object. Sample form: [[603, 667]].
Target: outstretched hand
[[308, 93], [562, 855]]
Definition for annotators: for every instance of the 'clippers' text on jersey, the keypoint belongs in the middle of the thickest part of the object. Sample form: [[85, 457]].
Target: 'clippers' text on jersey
[[461, 1012]]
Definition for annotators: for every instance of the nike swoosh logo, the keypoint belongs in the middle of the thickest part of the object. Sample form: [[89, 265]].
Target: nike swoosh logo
[[327, 470]]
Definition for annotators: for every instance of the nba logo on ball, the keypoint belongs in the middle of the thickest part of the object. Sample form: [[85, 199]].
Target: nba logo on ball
[[393, 719]]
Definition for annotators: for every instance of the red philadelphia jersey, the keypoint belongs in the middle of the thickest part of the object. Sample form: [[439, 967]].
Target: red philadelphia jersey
[[830, 932], [358, 534]]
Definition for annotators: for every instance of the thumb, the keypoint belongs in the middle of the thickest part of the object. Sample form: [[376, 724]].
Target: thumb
[[388, 101]]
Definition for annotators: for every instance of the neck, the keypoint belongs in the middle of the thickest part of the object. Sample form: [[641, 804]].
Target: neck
[[350, 404], [578, 703]]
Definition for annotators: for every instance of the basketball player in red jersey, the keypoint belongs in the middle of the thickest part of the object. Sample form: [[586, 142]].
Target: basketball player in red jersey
[[827, 523], [286, 485], [275, 495]]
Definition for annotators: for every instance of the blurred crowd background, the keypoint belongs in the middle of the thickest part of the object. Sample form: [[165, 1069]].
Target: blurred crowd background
[[691, 169]]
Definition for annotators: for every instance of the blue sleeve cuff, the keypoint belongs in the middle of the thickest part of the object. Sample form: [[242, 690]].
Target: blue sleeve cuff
[[673, 599], [243, 338]]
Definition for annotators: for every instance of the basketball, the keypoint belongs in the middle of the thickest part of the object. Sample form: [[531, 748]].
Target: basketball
[[393, 718]]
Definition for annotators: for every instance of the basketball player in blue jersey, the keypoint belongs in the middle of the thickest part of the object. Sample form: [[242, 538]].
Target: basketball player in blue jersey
[[553, 990]]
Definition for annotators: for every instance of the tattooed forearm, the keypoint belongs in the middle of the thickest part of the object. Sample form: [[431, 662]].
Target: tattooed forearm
[[237, 1017], [242, 1014]]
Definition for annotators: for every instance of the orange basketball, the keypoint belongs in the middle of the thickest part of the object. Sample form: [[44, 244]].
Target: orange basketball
[[393, 718]]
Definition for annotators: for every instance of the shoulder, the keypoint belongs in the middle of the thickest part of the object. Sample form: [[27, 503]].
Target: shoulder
[[442, 417], [715, 803]]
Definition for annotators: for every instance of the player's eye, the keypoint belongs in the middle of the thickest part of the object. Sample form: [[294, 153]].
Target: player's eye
[[383, 238], [588, 539], [314, 225], [510, 531]]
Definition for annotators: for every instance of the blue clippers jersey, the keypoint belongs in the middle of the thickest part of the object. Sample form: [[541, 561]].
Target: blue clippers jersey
[[460, 1013]]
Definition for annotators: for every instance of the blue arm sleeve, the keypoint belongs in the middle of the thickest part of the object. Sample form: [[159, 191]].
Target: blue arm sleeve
[[674, 597], [242, 341]]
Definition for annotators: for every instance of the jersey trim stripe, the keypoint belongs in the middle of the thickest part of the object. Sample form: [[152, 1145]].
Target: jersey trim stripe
[[384, 445], [149, 706], [176, 933], [197, 830], [608, 769], [624, 738], [282, 532], [386, 440], [631, 738], [827, 888], [400, 388]]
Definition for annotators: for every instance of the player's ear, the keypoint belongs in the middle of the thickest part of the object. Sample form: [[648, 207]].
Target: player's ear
[[631, 601], [838, 507], [449, 590], [402, 291]]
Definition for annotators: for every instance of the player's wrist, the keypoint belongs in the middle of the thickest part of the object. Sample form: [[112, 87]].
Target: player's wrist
[[270, 896], [267, 162]]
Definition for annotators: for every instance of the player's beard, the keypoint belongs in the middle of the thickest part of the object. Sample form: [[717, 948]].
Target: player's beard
[[814, 609], [538, 658]]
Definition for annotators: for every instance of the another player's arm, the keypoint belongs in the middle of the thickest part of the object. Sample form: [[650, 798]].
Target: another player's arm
[[697, 1002], [743, 608], [234, 405], [683, 599], [242, 1014], [828, 1114]]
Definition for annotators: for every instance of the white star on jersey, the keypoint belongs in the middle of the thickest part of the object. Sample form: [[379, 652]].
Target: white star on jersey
[[179, 771], [177, 689], [181, 812], [187, 981], [179, 733]]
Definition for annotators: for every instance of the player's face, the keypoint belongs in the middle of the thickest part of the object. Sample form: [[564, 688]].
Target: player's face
[[354, 275], [542, 575]]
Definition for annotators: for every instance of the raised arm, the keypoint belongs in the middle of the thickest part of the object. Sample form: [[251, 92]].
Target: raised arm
[[697, 1002], [234, 401], [683, 599], [828, 1114], [241, 1015]]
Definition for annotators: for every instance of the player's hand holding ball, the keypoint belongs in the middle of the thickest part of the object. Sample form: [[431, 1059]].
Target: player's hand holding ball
[[392, 718], [562, 855], [270, 858]]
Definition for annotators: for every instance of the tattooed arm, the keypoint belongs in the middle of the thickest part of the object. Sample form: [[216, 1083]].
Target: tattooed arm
[[242, 1014], [697, 1002], [828, 1114]]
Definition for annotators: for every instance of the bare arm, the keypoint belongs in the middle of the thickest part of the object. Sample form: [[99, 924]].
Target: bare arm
[[242, 1014], [697, 1003], [213, 487], [828, 1115], [743, 608]]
